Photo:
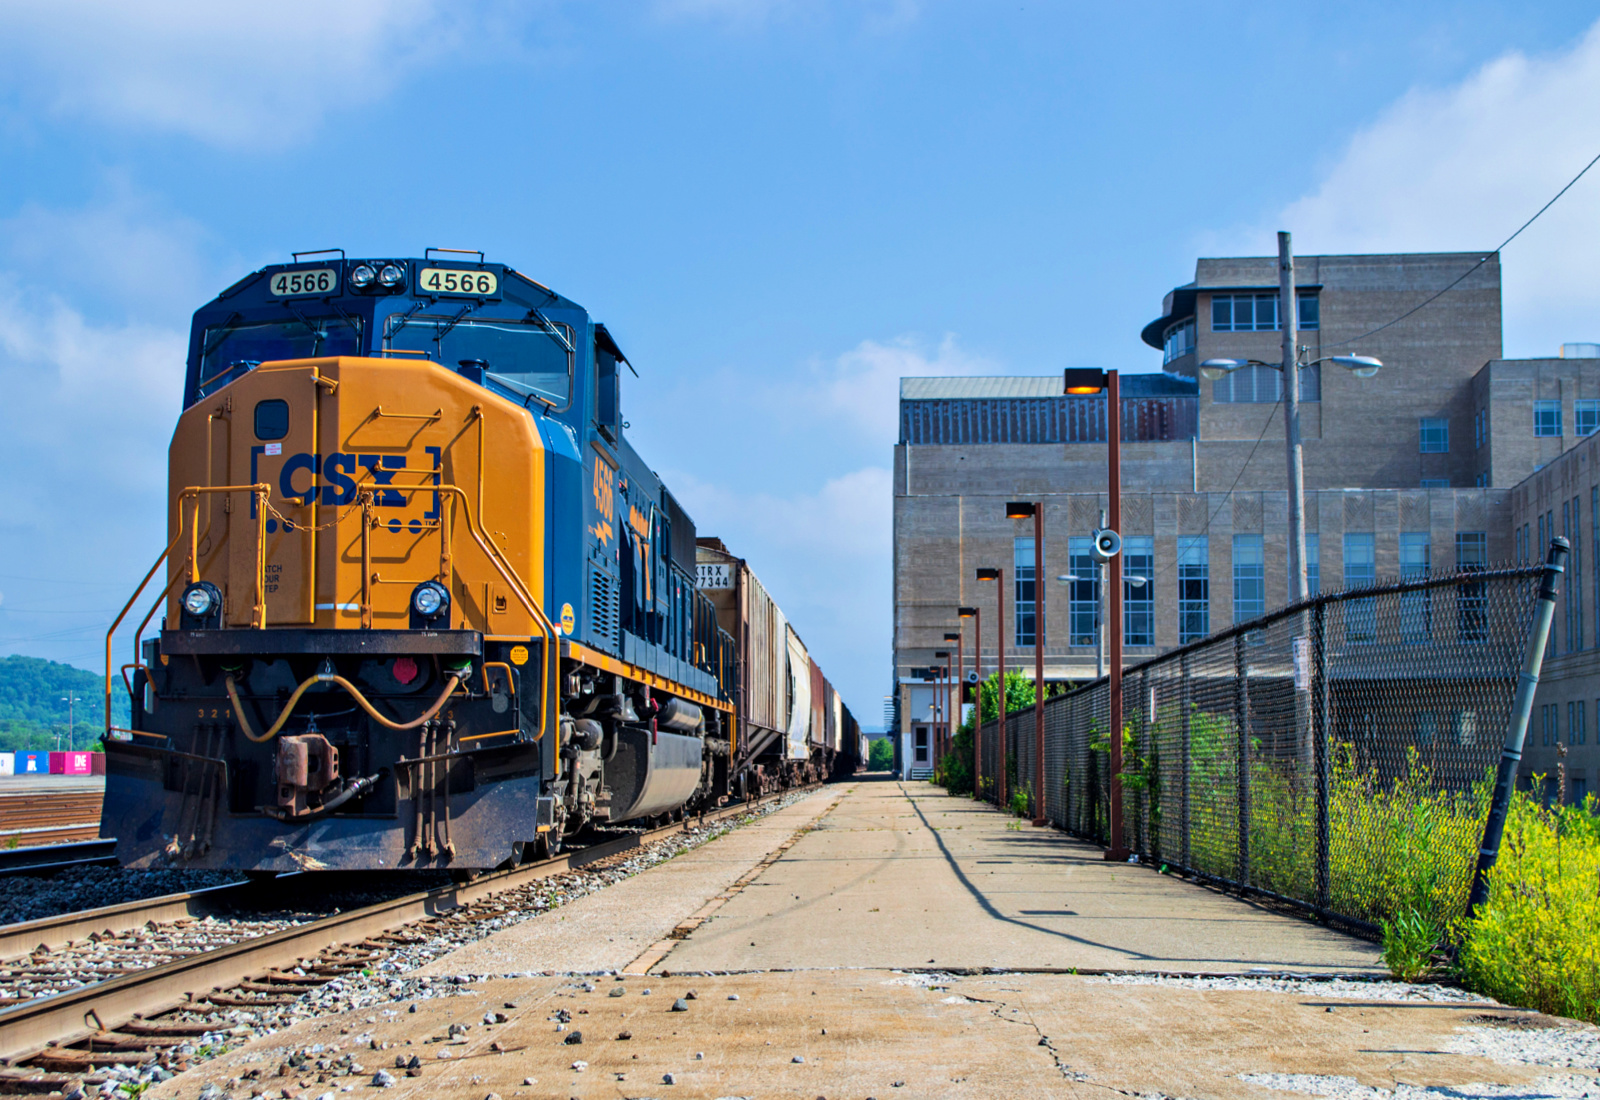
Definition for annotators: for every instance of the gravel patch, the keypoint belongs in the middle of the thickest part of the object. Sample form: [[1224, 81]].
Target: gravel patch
[[73, 889], [1576, 1046], [1560, 1087], [1341, 988], [390, 981]]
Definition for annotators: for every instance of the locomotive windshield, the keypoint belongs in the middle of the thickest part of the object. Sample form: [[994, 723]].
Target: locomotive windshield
[[231, 349], [532, 358]]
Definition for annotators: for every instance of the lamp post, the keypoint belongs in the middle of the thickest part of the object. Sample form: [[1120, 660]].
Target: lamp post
[[976, 615], [1362, 366], [1022, 510], [1099, 610], [999, 577], [953, 719], [943, 695], [961, 665], [1091, 381]]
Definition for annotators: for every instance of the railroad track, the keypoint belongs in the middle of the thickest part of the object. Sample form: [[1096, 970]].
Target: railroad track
[[36, 859], [49, 818], [52, 1040]]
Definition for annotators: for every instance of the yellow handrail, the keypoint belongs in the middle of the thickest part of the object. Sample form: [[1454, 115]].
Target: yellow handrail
[[194, 492]]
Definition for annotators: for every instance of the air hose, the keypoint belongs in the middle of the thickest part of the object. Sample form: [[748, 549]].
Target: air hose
[[455, 678]]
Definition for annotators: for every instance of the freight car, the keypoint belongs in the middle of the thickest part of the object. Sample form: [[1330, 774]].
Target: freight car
[[424, 604]]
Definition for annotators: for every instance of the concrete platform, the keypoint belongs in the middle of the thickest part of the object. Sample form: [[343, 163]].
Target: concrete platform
[[902, 875], [883, 877]]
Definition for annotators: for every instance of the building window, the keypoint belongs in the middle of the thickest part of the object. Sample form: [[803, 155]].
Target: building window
[[1466, 726], [1249, 578], [1427, 728], [1435, 483], [1313, 564], [1434, 432], [1545, 722], [1547, 418], [1416, 608], [1577, 734], [1083, 592], [1573, 594], [1179, 342], [1580, 790], [1138, 601], [1025, 591], [1480, 428], [1263, 386], [1482, 481], [1586, 416], [1360, 569], [1259, 312], [1194, 588], [1472, 606]]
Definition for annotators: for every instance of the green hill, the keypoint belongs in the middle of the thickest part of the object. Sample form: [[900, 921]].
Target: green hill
[[34, 709]]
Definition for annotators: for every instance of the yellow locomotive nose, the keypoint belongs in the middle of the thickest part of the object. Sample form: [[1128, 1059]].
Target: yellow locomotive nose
[[381, 476]]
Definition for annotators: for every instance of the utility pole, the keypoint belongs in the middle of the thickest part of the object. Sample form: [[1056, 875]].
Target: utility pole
[[1288, 318], [68, 699], [1115, 850]]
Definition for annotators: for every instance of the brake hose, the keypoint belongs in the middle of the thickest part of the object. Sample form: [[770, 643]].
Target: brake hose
[[355, 693]]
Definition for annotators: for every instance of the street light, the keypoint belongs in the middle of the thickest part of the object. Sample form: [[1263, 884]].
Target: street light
[[952, 690], [1099, 611], [999, 577], [1362, 366], [942, 693], [1022, 510], [977, 655]]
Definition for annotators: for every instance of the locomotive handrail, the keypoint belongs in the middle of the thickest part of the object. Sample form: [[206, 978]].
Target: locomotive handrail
[[259, 612]]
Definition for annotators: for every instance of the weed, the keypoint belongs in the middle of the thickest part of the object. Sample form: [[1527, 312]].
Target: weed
[[1409, 941]]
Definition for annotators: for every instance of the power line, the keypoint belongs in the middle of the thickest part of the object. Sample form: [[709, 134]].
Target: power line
[[1475, 266]]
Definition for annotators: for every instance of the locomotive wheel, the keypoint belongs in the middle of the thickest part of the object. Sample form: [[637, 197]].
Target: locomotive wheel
[[548, 846]]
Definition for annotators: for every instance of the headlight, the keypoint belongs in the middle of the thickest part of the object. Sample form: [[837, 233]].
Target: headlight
[[362, 277], [198, 601], [429, 599], [391, 275]]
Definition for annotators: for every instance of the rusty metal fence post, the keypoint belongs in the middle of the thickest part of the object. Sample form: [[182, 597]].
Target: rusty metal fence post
[[1185, 739], [1319, 746], [1241, 671]]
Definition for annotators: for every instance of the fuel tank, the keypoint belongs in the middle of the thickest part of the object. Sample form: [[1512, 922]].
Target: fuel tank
[[651, 773]]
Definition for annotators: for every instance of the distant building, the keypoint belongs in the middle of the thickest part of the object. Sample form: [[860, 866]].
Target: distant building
[[1407, 471]]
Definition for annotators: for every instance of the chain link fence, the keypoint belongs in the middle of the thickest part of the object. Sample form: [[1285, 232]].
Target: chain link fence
[[1337, 754]]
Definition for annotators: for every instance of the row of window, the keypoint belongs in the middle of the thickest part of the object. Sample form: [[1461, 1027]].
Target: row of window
[[1259, 312], [1530, 547], [1577, 724], [1249, 587], [1263, 386]]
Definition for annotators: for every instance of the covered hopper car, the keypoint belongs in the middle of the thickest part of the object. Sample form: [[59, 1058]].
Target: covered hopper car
[[423, 604]]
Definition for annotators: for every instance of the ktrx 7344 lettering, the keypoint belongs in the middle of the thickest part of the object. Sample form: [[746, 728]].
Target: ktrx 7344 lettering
[[424, 604]]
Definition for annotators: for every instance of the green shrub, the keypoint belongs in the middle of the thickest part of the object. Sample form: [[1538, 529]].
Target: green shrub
[[1409, 940], [1536, 942]]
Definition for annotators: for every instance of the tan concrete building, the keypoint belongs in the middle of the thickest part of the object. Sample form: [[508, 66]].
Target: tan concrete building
[[1406, 471]]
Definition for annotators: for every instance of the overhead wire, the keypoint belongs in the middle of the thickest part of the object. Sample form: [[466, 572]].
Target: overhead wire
[[1464, 276]]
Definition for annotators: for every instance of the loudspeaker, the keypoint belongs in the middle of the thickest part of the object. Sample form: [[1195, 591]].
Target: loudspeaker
[[1107, 544]]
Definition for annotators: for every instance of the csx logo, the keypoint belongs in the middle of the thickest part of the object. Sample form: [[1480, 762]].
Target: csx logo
[[308, 478]]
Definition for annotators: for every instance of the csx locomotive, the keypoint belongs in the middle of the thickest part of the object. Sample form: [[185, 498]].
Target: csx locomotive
[[425, 607]]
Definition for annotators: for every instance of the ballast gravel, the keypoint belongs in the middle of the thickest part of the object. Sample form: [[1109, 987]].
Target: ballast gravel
[[390, 981], [73, 889]]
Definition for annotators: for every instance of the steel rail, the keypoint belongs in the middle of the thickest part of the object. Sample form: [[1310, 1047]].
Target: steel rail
[[68, 1017], [39, 858]]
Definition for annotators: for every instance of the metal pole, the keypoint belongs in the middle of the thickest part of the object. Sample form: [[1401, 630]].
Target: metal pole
[[961, 675], [977, 713], [1116, 849], [1000, 696], [1039, 820], [1555, 564], [1288, 318], [1241, 674], [1319, 748]]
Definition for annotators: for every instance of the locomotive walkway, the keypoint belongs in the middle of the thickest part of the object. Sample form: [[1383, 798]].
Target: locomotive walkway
[[837, 948]]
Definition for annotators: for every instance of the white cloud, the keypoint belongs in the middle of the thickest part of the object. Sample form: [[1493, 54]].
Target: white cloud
[[234, 74], [863, 384], [1458, 169]]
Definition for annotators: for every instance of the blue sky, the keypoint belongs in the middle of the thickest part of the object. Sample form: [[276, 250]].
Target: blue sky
[[778, 207]]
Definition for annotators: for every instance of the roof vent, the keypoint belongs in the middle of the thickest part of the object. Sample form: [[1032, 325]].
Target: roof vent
[[1580, 351]]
